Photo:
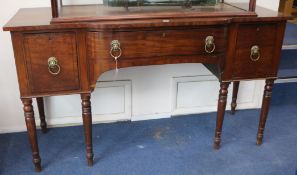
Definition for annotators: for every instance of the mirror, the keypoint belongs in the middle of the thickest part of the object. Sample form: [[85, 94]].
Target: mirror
[[136, 3], [243, 4]]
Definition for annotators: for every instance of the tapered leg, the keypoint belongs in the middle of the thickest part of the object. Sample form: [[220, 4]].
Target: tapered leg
[[40, 105], [87, 120], [264, 109], [234, 96], [220, 113], [31, 129]]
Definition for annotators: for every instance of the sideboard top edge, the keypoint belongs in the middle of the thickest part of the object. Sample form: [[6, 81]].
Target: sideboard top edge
[[41, 19]]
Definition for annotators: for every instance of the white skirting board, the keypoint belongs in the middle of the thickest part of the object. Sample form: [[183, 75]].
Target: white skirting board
[[199, 94]]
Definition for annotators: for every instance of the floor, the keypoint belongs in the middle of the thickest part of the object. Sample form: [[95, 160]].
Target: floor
[[176, 146], [288, 62], [291, 34]]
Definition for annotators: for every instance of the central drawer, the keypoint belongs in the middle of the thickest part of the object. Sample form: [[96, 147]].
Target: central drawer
[[160, 43]]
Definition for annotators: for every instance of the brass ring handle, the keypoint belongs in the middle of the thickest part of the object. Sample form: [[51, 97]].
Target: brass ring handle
[[115, 49], [53, 66], [210, 46], [255, 53]]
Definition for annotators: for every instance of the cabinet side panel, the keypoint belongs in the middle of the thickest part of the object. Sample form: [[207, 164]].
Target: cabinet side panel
[[278, 45], [17, 41]]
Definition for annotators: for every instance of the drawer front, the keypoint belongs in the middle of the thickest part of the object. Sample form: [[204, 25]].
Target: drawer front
[[251, 34], [58, 50], [255, 51], [144, 44]]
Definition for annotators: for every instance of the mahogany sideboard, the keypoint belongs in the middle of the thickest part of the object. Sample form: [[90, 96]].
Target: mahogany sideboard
[[67, 54]]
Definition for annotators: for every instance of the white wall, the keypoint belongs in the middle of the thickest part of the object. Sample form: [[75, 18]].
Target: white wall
[[11, 115], [270, 4], [133, 94]]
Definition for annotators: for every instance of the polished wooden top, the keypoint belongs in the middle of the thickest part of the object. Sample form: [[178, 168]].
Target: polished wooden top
[[114, 17]]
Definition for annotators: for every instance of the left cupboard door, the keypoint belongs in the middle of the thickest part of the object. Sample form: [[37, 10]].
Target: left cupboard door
[[52, 62]]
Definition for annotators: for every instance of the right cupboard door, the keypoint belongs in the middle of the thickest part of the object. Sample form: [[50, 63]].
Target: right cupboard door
[[255, 52]]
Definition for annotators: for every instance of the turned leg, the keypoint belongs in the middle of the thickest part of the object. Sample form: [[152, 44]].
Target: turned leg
[[40, 105], [220, 113], [31, 129], [234, 96], [87, 120], [264, 109]]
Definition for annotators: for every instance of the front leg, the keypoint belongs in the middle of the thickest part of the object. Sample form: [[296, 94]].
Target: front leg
[[31, 129], [87, 120], [40, 105], [234, 96], [220, 113], [264, 110]]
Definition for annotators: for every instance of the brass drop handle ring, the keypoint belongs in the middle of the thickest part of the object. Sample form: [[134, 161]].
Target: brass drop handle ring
[[115, 49], [210, 46], [53, 66], [255, 53]]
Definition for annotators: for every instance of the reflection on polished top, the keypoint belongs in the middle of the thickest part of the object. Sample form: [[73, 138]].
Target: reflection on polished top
[[138, 3]]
